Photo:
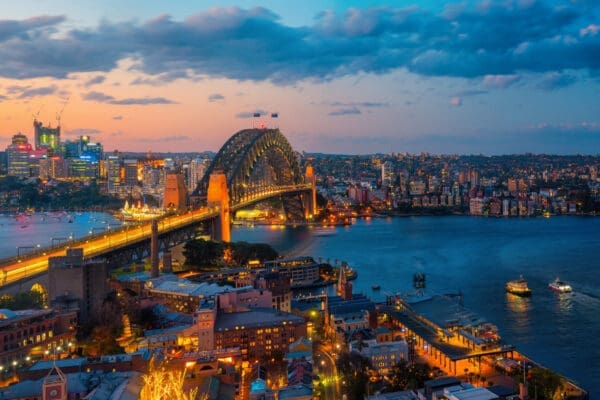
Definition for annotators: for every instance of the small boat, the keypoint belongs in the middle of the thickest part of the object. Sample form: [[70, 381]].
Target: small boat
[[560, 286], [518, 287], [375, 287]]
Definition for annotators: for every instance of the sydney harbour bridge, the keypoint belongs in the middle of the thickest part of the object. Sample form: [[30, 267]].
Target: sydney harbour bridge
[[254, 165]]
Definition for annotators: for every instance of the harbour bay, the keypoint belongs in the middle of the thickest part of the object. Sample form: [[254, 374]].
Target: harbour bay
[[476, 257], [470, 255]]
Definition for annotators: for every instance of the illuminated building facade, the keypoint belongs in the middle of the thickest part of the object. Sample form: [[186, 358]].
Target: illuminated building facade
[[17, 154], [303, 271], [130, 177], [258, 332], [32, 332], [113, 173], [198, 167], [47, 137]]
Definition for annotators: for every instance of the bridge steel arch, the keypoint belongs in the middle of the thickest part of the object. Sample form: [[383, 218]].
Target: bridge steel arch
[[244, 152]]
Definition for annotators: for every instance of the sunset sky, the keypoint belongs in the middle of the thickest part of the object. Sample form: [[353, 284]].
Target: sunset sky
[[489, 77]]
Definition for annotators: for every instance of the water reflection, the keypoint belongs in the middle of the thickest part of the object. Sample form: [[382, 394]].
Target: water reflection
[[564, 303], [518, 304], [519, 309]]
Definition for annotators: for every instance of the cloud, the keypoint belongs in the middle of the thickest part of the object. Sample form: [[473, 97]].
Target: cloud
[[12, 89], [456, 101], [104, 98], [250, 114], [95, 81], [166, 139], [83, 131], [345, 111], [366, 104], [468, 93], [41, 91], [164, 78], [215, 97], [117, 117], [491, 40], [2, 97], [12, 28], [555, 80], [500, 81]]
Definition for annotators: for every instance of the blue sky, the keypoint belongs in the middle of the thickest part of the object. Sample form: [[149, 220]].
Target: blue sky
[[346, 77]]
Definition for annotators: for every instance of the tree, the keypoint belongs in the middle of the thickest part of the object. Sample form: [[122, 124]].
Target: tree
[[354, 367], [31, 299], [544, 382], [200, 252], [161, 384], [407, 375]]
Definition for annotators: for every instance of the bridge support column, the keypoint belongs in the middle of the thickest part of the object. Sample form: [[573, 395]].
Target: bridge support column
[[218, 196], [154, 250], [310, 199]]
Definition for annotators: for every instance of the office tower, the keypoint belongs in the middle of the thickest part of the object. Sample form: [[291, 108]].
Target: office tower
[[131, 172], [46, 137], [198, 167], [17, 154], [113, 173]]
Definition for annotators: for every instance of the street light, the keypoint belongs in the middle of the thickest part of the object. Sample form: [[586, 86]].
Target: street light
[[57, 241], [19, 248]]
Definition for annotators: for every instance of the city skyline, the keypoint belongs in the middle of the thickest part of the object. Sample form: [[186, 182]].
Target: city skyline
[[362, 77]]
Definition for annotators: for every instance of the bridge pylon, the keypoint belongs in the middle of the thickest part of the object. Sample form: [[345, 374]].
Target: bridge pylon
[[218, 196], [310, 199]]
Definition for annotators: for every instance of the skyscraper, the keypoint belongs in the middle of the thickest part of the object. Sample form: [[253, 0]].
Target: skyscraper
[[46, 137], [198, 167], [113, 173], [131, 172], [17, 154]]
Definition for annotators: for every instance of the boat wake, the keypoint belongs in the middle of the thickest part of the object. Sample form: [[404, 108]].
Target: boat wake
[[586, 298]]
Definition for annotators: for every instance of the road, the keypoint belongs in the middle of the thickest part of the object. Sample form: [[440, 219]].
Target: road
[[95, 245], [328, 373]]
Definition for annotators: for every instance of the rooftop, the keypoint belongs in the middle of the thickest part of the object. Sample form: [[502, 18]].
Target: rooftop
[[358, 303], [404, 395], [255, 318], [445, 311], [188, 288], [294, 392], [8, 317]]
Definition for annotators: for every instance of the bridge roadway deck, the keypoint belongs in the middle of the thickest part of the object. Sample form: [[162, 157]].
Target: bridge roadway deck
[[16, 268], [27, 265]]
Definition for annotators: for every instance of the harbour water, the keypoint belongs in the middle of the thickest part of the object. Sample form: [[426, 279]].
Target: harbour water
[[22, 233], [477, 256]]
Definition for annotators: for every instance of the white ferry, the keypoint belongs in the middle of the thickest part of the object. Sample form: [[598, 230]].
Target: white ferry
[[560, 286]]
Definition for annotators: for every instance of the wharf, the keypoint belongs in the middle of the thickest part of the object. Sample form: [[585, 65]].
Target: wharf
[[446, 335]]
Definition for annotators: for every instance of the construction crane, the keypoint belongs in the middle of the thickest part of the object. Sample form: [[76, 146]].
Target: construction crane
[[35, 116], [59, 114]]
